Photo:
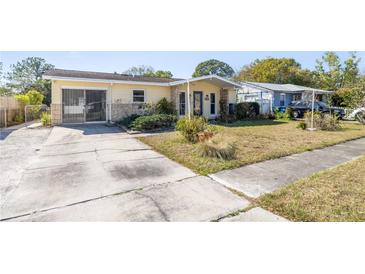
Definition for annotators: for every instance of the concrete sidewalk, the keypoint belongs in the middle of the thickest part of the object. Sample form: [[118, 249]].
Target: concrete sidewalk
[[257, 179]]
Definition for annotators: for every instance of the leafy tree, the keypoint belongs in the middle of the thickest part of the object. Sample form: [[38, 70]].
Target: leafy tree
[[276, 70], [344, 79], [4, 91], [351, 70], [27, 74], [139, 70], [329, 72], [213, 66], [148, 71], [1, 71], [351, 97], [163, 74]]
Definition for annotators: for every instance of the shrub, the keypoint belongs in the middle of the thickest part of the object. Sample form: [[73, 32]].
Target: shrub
[[46, 119], [153, 121], [191, 128], [246, 110], [32, 97], [161, 107], [286, 115], [19, 117], [302, 125], [322, 121], [165, 107], [127, 121], [218, 149]]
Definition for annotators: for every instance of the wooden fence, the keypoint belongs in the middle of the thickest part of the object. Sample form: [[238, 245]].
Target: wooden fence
[[9, 108]]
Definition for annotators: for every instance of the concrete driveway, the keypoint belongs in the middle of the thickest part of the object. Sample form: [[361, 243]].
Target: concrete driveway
[[98, 173]]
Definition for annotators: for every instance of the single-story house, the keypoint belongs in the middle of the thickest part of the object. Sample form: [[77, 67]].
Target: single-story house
[[83, 96], [271, 96]]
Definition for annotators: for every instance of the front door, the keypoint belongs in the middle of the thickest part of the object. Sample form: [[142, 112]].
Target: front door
[[198, 103], [95, 105]]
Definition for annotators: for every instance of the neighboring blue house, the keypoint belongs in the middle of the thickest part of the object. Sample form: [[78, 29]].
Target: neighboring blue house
[[271, 96]]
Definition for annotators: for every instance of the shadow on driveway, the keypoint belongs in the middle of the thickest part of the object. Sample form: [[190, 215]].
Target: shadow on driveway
[[94, 129], [4, 133]]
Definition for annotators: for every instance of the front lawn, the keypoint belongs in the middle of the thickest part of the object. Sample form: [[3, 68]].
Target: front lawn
[[336, 194], [256, 141]]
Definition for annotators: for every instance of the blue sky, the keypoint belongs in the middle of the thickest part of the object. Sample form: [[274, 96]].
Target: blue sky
[[180, 63]]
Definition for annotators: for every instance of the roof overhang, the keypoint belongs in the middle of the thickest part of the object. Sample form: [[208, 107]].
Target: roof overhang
[[299, 89], [214, 79], [75, 79]]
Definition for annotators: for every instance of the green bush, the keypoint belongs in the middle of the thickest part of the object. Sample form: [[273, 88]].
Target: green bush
[[322, 121], [246, 110], [218, 149], [161, 107], [153, 122], [127, 121], [190, 129], [165, 107], [302, 125], [32, 97], [286, 115], [46, 119], [19, 117]]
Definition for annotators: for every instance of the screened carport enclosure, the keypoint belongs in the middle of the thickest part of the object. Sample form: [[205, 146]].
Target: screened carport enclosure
[[83, 105]]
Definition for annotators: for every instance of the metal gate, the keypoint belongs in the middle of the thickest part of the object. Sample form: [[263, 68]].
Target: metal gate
[[81, 105]]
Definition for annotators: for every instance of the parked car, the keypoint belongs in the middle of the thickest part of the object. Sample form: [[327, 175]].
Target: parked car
[[300, 107]]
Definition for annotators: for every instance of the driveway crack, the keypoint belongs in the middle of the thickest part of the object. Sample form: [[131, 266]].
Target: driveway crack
[[164, 215]]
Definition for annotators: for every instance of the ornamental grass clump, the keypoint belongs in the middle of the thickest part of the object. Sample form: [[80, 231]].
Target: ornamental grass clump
[[218, 149], [322, 121]]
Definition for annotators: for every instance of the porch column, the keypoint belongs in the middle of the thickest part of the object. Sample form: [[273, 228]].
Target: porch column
[[110, 102], [188, 90]]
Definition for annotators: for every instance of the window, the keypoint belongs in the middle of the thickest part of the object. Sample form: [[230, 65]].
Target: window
[[138, 96], [212, 103], [297, 97], [182, 103], [282, 99]]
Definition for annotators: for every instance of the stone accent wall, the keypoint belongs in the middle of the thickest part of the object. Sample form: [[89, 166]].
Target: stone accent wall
[[120, 111], [175, 98], [56, 114], [224, 95]]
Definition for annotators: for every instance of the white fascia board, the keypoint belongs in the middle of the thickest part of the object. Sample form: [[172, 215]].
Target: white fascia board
[[204, 78], [105, 81]]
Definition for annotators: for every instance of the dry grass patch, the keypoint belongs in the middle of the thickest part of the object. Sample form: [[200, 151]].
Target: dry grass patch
[[255, 141], [336, 194]]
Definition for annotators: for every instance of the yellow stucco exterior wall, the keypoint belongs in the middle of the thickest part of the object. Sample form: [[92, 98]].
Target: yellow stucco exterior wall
[[123, 93], [206, 88]]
